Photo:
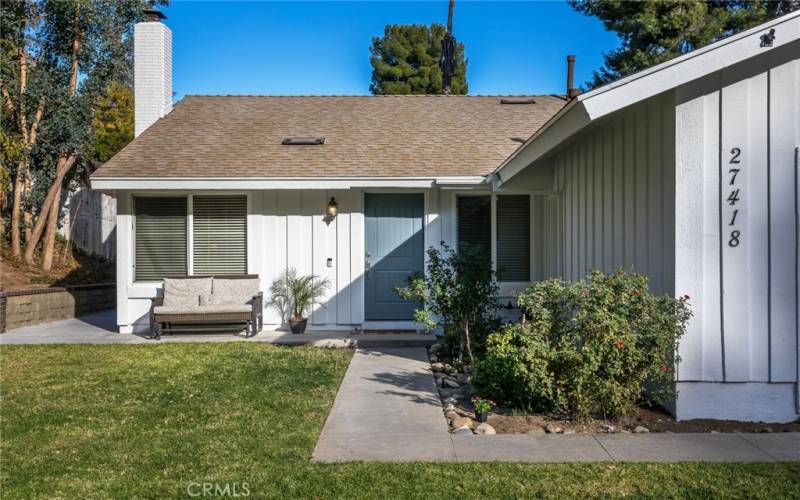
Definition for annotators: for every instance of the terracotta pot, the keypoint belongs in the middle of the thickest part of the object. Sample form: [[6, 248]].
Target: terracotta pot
[[298, 325]]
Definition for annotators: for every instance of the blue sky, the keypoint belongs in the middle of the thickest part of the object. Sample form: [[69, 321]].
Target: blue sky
[[323, 47]]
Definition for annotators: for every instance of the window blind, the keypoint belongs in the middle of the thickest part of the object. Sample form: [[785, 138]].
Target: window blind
[[219, 231], [475, 222], [513, 237], [160, 234]]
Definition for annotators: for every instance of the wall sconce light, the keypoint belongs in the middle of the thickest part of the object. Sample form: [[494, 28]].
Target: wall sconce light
[[332, 210]]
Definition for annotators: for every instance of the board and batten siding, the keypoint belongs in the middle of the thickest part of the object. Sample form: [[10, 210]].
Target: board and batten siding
[[737, 223], [614, 203]]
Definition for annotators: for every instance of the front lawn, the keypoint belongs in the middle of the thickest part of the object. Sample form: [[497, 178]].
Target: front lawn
[[151, 421]]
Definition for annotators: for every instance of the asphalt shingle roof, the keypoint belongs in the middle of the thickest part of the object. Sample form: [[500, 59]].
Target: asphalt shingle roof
[[369, 136]]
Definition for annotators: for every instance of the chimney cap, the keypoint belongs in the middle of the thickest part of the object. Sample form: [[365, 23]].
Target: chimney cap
[[154, 15]]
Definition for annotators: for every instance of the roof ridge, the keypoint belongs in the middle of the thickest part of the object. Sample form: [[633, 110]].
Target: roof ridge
[[376, 96]]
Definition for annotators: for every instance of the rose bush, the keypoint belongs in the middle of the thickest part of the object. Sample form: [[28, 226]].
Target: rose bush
[[586, 349]]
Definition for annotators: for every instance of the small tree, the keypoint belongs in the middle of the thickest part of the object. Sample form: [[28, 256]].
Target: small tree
[[459, 293]]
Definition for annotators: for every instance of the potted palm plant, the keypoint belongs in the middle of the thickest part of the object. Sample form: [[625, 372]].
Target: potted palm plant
[[294, 295]]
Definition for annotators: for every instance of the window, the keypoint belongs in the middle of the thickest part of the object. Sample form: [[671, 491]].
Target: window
[[475, 222], [160, 238], [514, 237], [219, 231], [218, 237], [512, 231]]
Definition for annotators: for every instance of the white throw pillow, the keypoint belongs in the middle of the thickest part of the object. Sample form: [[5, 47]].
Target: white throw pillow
[[181, 292], [233, 291]]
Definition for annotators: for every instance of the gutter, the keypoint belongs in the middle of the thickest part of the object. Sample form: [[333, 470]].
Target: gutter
[[249, 183]]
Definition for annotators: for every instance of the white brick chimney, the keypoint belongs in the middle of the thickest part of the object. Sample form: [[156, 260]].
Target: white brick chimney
[[152, 53]]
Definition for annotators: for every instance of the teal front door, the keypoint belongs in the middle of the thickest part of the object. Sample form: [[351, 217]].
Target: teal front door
[[394, 251]]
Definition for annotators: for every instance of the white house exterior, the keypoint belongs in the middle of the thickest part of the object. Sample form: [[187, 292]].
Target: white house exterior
[[687, 172], [636, 174]]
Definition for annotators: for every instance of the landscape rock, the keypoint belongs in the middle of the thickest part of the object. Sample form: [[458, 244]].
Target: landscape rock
[[640, 429], [450, 393], [609, 428], [462, 378], [536, 430], [553, 429], [435, 348], [450, 401], [434, 358], [452, 415], [569, 431], [462, 421], [462, 431], [437, 367], [485, 429], [449, 382]]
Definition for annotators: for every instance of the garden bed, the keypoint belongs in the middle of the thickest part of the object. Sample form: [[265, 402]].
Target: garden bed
[[456, 392]]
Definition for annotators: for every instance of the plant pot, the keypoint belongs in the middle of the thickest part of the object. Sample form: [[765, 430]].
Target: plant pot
[[482, 416], [298, 325]]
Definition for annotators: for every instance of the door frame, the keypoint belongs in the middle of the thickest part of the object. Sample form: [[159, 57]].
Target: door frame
[[426, 214]]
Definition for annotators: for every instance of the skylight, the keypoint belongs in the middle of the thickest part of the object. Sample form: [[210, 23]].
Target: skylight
[[303, 141], [517, 100]]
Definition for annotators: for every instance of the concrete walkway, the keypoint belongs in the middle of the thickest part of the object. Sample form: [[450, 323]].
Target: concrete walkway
[[388, 409], [101, 328]]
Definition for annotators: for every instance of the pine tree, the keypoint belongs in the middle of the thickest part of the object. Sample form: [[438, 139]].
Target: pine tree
[[405, 60]]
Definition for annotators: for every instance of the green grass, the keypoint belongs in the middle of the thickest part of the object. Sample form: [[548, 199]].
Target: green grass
[[146, 421]]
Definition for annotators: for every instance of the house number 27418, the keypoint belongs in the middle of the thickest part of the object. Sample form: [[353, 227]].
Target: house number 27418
[[734, 196]]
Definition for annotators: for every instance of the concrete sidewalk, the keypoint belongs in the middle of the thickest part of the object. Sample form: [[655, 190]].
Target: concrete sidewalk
[[101, 328], [388, 409]]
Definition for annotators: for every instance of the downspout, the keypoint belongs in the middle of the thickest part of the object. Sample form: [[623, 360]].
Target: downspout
[[797, 276]]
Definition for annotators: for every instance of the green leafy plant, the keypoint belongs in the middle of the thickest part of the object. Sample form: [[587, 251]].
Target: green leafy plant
[[482, 405], [586, 349], [458, 293], [295, 294]]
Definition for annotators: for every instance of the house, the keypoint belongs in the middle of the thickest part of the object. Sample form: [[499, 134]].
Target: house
[[685, 172]]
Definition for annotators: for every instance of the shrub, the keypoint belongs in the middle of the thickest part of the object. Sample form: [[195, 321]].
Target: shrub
[[458, 293], [586, 349]]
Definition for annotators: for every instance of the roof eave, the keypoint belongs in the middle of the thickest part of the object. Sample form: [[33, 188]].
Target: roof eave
[[602, 101]]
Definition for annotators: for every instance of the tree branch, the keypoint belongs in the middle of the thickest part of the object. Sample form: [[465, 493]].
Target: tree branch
[[37, 118], [7, 102]]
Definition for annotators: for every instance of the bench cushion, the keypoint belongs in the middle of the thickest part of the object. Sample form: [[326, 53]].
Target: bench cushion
[[182, 292], [217, 309], [233, 291]]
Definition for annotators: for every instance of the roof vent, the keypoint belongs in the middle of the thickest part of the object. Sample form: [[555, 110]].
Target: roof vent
[[517, 100], [303, 141]]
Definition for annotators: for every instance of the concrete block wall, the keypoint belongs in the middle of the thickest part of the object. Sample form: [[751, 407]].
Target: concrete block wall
[[34, 307]]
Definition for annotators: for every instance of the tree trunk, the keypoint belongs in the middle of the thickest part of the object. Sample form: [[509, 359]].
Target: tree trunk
[[52, 228], [27, 216], [467, 344], [19, 185], [62, 167]]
